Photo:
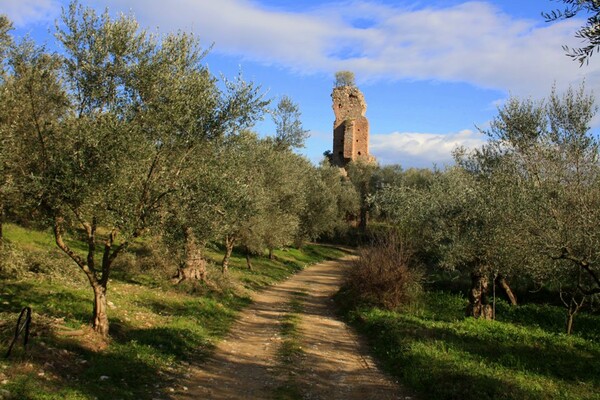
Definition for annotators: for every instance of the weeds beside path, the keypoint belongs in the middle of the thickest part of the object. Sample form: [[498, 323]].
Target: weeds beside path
[[328, 361]]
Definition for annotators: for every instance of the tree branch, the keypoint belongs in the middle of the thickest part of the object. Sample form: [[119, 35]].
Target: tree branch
[[58, 236], [595, 278], [584, 266], [90, 230]]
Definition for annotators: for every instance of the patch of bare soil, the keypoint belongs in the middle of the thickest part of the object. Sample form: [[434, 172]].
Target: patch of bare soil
[[333, 362]]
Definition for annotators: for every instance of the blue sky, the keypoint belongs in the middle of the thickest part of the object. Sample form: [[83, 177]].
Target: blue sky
[[431, 71]]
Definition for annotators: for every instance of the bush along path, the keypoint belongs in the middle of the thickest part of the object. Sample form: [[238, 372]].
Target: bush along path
[[289, 345]]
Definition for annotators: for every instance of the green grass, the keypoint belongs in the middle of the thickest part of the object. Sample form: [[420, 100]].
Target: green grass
[[290, 349], [266, 272], [290, 352], [434, 349], [31, 239], [157, 329]]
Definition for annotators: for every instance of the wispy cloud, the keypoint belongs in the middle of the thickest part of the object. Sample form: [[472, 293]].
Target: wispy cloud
[[474, 42], [23, 12], [423, 150]]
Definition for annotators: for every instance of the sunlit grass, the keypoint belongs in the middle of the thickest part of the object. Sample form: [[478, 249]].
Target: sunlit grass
[[437, 351], [156, 328]]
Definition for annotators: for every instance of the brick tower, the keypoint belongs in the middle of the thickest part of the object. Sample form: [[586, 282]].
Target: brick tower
[[351, 127]]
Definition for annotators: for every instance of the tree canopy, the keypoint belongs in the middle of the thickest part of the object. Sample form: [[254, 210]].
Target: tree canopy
[[126, 134]]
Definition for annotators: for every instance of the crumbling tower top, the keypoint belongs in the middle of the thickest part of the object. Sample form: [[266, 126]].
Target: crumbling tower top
[[351, 127]]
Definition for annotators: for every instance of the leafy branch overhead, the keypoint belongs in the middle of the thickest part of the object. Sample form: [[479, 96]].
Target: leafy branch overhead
[[588, 33]]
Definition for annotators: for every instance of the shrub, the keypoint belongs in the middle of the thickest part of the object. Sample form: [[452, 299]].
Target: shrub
[[149, 259], [383, 276], [17, 263], [344, 78], [13, 263]]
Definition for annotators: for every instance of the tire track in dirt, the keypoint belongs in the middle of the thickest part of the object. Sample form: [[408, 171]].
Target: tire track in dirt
[[334, 365]]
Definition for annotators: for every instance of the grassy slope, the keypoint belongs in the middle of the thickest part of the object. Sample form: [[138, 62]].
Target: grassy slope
[[156, 328], [434, 349]]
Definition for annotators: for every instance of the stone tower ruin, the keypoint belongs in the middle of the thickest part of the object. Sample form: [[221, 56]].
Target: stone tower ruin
[[351, 127]]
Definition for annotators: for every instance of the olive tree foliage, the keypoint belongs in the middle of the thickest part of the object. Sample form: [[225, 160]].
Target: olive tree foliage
[[5, 41], [588, 33], [242, 218], [289, 132], [286, 180], [244, 191], [209, 190], [250, 193], [409, 208], [33, 103], [363, 175], [5, 131], [552, 156], [526, 203], [108, 130], [330, 199], [222, 194], [451, 220]]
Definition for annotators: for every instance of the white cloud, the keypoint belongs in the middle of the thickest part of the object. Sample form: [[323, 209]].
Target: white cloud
[[472, 42], [412, 149], [24, 12]]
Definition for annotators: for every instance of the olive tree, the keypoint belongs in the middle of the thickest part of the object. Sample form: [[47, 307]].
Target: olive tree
[[286, 180], [330, 198], [6, 136], [553, 157], [110, 130], [452, 220], [363, 175], [289, 132], [33, 102], [209, 189], [225, 192], [276, 182]]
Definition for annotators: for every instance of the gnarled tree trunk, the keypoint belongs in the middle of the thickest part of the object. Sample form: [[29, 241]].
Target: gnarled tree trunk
[[479, 306], [194, 267], [99, 316], [98, 279], [229, 242]]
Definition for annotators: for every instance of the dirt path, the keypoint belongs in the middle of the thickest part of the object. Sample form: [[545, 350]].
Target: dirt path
[[329, 361]]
